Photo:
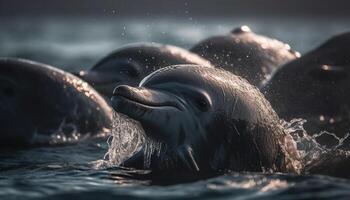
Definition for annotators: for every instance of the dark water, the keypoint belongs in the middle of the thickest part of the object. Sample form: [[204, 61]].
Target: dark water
[[80, 43], [69, 172], [75, 171]]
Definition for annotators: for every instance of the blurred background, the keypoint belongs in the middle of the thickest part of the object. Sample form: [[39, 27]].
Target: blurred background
[[74, 34]]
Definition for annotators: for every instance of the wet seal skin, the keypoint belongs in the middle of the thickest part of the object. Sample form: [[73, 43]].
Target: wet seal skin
[[316, 87], [205, 120], [130, 64], [246, 54], [38, 101]]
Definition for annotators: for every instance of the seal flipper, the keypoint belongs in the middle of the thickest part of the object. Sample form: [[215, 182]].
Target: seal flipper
[[136, 161]]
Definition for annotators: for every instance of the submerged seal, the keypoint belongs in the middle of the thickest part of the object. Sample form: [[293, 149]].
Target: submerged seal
[[315, 87], [206, 120], [38, 101], [129, 65], [246, 54]]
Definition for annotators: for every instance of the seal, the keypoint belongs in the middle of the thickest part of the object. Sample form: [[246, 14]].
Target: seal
[[315, 87], [246, 54], [205, 120], [130, 64], [38, 102]]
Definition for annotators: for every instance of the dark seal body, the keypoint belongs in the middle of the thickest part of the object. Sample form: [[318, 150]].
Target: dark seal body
[[315, 87], [206, 120], [130, 64], [246, 54], [38, 102]]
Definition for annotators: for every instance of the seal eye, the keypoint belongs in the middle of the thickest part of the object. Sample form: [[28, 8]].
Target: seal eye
[[202, 104], [200, 101]]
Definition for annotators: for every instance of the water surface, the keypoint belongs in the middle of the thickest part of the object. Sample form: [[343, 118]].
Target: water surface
[[75, 171]]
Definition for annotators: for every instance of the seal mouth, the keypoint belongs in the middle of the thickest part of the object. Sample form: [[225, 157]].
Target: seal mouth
[[154, 109], [127, 100]]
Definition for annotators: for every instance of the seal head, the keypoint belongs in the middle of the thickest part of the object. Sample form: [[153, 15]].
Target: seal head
[[246, 54], [38, 102], [206, 119], [315, 87], [130, 64]]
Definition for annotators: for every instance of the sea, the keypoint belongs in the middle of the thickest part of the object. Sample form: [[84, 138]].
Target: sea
[[85, 170]]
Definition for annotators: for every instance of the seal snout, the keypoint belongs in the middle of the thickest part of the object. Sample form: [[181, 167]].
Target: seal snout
[[145, 97], [124, 93], [122, 90]]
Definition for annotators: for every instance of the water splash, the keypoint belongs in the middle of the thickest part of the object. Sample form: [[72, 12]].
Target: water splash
[[152, 147], [65, 133], [308, 147], [126, 138]]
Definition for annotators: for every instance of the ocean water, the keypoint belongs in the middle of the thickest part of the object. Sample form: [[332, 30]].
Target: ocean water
[[83, 170], [79, 43]]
